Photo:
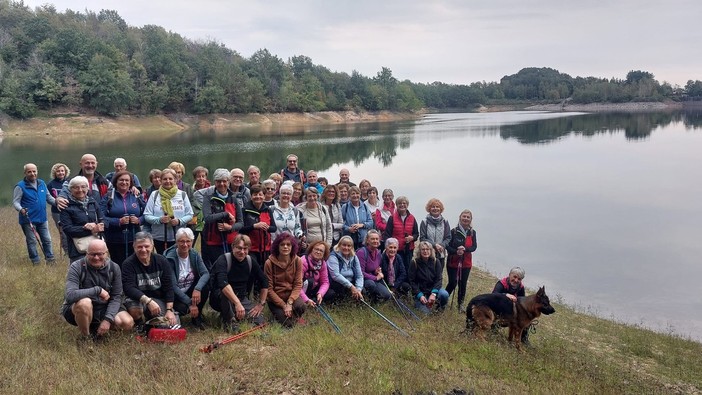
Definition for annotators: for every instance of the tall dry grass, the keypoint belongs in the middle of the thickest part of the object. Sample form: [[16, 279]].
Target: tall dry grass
[[571, 352]]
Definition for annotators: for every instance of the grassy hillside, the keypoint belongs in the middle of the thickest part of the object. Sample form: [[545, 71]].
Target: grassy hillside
[[570, 353]]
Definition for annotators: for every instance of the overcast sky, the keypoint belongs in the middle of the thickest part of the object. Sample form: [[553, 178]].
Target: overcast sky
[[460, 41]]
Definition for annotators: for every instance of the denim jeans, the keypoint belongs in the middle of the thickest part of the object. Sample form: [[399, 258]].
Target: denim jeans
[[441, 299], [44, 235]]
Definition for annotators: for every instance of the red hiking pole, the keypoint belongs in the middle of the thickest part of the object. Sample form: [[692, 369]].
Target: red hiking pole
[[211, 347]]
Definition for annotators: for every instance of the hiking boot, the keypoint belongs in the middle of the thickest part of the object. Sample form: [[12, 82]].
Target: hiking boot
[[232, 327], [197, 323], [461, 308], [51, 262]]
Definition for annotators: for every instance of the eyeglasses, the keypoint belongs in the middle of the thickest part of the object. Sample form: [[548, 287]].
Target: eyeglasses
[[292, 161], [96, 254], [238, 177], [270, 189]]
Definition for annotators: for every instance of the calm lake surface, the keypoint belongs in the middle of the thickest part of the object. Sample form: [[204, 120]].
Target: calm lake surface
[[602, 209]]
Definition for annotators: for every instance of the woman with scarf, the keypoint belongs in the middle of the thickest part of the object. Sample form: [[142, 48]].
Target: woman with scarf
[[284, 272], [59, 174], [330, 200], [315, 277], [124, 214], [393, 268], [382, 215], [167, 210], [460, 249], [436, 229], [81, 218], [370, 258], [316, 223]]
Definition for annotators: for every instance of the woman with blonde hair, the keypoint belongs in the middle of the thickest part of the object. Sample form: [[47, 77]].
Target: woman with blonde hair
[[425, 273], [435, 228], [59, 174], [460, 248], [167, 210]]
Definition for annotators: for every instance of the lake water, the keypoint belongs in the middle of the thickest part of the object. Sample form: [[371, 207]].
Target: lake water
[[603, 209]]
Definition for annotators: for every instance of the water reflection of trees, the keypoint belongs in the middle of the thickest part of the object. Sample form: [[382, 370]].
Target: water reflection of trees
[[635, 125]]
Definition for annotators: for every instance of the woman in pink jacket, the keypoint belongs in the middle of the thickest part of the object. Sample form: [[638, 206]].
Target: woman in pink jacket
[[315, 278]]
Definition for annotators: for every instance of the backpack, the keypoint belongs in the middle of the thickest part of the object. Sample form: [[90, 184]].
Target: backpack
[[228, 257], [84, 273]]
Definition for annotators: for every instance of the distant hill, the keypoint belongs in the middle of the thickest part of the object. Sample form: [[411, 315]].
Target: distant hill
[[95, 62]]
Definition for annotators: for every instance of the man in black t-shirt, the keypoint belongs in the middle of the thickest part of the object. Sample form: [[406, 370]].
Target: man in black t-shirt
[[233, 275]]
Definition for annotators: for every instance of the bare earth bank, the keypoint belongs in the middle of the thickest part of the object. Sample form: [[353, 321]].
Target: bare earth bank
[[62, 124]]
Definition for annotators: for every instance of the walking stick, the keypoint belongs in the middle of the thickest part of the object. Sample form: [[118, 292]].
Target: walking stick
[[404, 309], [211, 347], [457, 288], [385, 318], [34, 231], [328, 318]]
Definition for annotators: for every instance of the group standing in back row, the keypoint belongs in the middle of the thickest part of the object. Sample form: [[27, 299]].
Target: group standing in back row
[[308, 237]]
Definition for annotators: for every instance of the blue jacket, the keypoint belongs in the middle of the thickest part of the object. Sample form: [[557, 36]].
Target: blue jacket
[[113, 207], [345, 272], [364, 217], [34, 200]]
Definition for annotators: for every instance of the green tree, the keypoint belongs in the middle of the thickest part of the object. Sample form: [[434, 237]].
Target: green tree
[[106, 87]]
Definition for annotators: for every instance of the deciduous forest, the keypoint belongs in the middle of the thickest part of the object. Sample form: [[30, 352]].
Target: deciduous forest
[[96, 62]]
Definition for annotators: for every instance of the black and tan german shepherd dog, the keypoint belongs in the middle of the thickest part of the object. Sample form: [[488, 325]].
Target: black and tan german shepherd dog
[[486, 309]]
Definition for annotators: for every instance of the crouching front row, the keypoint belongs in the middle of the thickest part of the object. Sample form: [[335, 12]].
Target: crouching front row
[[179, 283]]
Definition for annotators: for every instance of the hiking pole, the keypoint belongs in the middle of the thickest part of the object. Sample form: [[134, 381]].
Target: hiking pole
[[385, 318], [211, 347], [328, 318], [456, 289], [397, 304], [34, 230], [404, 309]]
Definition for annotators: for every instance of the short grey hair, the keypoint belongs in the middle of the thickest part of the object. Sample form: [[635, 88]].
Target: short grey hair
[[286, 187], [392, 240], [269, 183], [78, 180], [120, 160], [518, 271], [185, 232], [221, 174], [143, 236]]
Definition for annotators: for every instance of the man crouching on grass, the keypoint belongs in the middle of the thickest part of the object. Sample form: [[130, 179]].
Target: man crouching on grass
[[94, 294], [147, 282]]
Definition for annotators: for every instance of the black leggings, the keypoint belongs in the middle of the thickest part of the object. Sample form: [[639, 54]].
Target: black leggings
[[462, 282]]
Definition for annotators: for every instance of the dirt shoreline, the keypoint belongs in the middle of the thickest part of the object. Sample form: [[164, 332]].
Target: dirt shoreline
[[76, 124]]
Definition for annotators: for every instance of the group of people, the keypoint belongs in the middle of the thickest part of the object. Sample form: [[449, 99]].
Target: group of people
[[291, 242]]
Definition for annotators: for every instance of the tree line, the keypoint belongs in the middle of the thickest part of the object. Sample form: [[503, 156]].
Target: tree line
[[96, 61]]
